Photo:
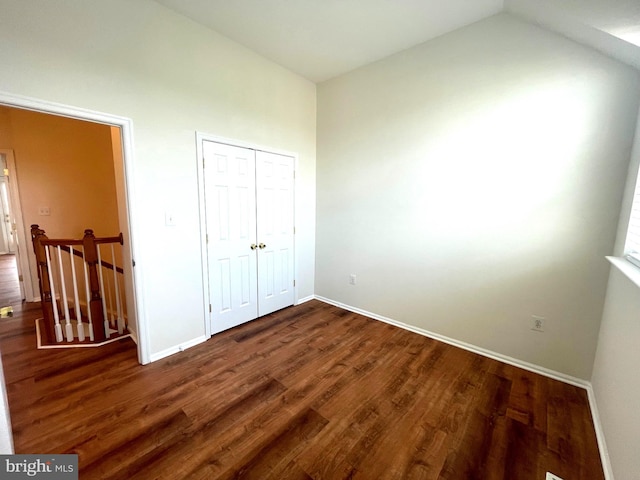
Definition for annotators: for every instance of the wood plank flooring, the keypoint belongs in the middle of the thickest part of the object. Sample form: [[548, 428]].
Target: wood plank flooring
[[9, 285], [310, 392]]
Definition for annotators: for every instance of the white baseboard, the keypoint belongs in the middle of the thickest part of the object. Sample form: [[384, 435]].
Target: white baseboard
[[578, 382], [305, 299], [602, 444], [177, 348]]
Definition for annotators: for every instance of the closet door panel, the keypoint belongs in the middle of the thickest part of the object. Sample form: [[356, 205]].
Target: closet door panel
[[275, 208], [230, 206]]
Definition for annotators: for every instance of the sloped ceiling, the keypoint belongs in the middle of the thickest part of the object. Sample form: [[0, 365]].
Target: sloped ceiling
[[322, 39], [620, 18]]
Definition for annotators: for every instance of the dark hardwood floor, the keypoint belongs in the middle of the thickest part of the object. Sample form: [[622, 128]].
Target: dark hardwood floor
[[310, 392], [9, 285]]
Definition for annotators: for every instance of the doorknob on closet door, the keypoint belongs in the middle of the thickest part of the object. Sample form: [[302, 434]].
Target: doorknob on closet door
[[261, 246], [253, 246]]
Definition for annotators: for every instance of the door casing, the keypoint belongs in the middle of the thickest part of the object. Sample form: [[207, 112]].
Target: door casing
[[135, 306], [22, 242], [200, 138]]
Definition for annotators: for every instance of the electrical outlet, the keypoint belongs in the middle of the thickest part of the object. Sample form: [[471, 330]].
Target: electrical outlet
[[352, 279], [44, 211], [169, 219], [537, 323], [551, 476]]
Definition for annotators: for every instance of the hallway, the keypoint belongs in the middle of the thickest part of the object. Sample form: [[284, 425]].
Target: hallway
[[9, 285]]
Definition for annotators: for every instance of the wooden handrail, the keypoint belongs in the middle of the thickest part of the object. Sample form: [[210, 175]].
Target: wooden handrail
[[78, 253], [62, 242], [90, 254]]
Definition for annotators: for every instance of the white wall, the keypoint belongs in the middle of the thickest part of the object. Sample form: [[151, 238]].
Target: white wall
[[172, 77], [6, 440], [615, 375], [616, 383], [475, 180]]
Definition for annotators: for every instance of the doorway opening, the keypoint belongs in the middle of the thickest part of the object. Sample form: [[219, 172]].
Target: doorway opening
[[15, 242], [56, 190], [11, 287]]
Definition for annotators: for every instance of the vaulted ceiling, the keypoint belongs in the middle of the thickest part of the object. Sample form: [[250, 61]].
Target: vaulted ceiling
[[321, 39]]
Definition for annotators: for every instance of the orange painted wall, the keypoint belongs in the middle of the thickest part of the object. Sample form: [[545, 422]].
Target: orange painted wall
[[5, 127], [66, 165]]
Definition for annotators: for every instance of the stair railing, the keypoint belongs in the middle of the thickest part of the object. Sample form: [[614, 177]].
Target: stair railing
[[81, 294]]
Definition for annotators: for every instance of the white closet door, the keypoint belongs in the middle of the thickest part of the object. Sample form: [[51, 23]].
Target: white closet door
[[230, 197], [275, 197]]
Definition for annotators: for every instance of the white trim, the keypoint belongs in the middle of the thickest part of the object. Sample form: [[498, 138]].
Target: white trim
[[306, 299], [126, 128], [24, 235], [627, 268], [204, 253], [200, 137], [6, 436], [178, 348], [577, 382], [600, 437], [296, 250], [74, 345], [242, 144]]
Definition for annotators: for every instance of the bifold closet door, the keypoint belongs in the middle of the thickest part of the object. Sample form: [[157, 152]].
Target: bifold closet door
[[230, 196], [249, 203]]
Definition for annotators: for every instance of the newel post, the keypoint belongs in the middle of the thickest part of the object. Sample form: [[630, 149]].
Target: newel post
[[95, 304], [37, 236]]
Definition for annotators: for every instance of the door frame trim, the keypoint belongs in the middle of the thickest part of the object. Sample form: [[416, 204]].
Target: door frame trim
[[21, 231], [126, 224], [201, 137]]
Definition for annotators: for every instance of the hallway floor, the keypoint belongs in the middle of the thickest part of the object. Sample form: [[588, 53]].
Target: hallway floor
[[9, 285]]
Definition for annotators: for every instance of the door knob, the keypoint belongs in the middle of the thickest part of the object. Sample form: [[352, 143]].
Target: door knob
[[253, 246], [261, 246]]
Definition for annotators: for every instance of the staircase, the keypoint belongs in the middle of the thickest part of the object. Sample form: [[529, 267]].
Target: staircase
[[82, 294]]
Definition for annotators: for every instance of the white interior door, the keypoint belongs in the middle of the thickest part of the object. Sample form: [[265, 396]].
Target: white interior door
[[7, 244], [230, 197], [275, 200], [21, 241]]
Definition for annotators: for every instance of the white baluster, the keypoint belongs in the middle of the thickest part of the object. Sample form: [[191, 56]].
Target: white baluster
[[76, 299], [104, 304], [63, 287], [56, 317], [109, 302], [87, 295], [115, 283], [123, 300]]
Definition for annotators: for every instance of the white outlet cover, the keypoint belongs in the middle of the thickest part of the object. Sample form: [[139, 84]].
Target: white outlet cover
[[169, 219], [537, 323], [551, 476]]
